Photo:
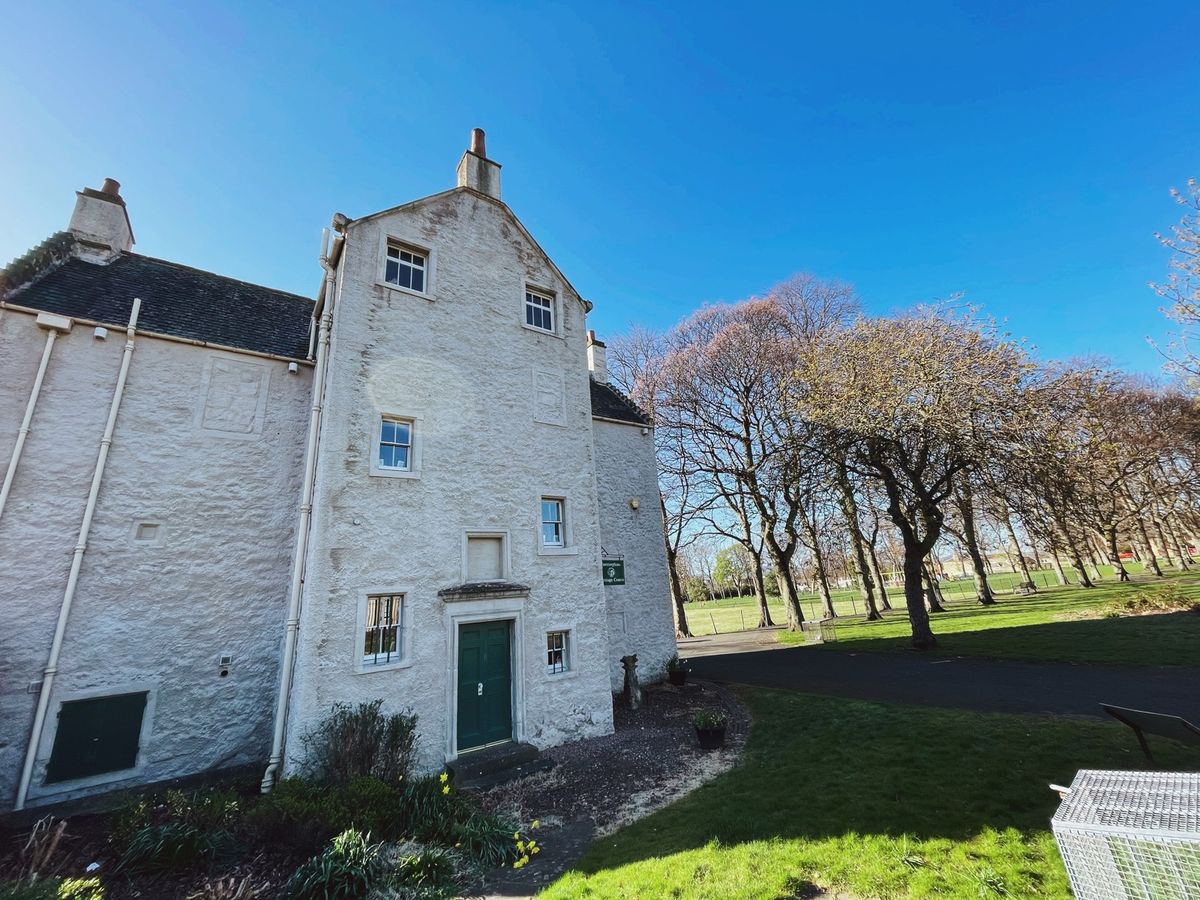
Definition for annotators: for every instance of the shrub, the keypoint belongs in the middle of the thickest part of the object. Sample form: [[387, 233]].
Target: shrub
[[709, 718], [488, 837], [304, 815], [178, 829], [362, 740], [176, 845], [55, 889], [1161, 599], [675, 664], [429, 873], [430, 809], [347, 869]]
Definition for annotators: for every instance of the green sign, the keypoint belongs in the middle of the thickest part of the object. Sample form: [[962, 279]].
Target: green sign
[[614, 571]]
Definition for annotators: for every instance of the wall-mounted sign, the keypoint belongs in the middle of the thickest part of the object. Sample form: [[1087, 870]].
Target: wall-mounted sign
[[614, 571]]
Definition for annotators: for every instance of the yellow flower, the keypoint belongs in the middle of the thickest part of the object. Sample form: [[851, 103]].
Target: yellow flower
[[537, 823], [520, 846], [516, 835], [535, 850], [519, 863], [443, 778], [445, 789]]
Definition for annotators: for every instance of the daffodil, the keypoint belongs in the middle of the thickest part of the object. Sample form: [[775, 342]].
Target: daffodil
[[537, 823], [445, 789], [443, 778]]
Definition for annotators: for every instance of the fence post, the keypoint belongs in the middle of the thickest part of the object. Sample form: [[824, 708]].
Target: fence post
[[714, 623], [742, 613]]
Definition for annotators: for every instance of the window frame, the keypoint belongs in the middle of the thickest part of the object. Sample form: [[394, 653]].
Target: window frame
[[565, 652], [555, 309], [559, 523], [567, 547], [415, 444], [389, 240], [361, 665]]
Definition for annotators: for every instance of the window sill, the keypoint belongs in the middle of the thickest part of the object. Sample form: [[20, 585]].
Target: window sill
[[371, 668], [560, 676], [558, 551], [401, 289], [378, 472], [543, 332]]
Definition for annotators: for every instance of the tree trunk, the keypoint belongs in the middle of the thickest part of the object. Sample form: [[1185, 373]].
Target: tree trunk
[[677, 595], [1114, 553], [1059, 574], [877, 575], [1037, 559], [914, 598], [983, 590], [932, 594], [782, 563], [1185, 561], [1151, 560], [1026, 578], [1168, 557], [760, 594], [819, 569], [862, 567], [1076, 560]]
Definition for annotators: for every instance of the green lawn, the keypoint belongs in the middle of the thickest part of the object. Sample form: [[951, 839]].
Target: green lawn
[[880, 800], [1043, 626]]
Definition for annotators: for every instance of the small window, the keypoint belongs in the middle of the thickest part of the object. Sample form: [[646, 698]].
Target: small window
[[146, 532], [553, 532], [557, 659], [406, 267], [381, 641], [539, 311], [395, 444]]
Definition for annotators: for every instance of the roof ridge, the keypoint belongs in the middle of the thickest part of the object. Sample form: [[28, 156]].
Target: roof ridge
[[37, 262], [184, 266]]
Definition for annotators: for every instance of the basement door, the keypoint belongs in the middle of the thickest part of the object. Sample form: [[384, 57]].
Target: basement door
[[484, 684]]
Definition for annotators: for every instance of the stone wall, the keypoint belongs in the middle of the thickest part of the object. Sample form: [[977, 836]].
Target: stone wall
[[482, 389], [208, 447], [640, 610]]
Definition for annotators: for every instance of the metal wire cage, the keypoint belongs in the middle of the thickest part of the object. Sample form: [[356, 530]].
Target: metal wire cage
[[819, 632], [1131, 835]]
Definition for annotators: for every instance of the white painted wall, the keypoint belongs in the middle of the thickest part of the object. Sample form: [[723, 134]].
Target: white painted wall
[[462, 364], [640, 610], [208, 445]]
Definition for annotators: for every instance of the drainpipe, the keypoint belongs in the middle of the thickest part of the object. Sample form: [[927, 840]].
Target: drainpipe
[[85, 528], [292, 626], [53, 325]]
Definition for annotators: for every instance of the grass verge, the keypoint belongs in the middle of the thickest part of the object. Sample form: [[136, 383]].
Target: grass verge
[[880, 800]]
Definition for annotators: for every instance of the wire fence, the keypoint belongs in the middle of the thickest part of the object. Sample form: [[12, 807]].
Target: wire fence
[[734, 614]]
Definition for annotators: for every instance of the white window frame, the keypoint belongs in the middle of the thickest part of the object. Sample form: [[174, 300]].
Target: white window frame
[[414, 447], [387, 241], [558, 506], [555, 310], [505, 550], [567, 547], [565, 633], [363, 666]]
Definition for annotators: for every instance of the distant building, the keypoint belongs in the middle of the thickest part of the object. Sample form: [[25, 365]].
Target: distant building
[[420, 488]]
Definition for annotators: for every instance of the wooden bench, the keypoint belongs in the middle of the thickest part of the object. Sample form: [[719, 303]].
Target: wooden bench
[[1161, 724]]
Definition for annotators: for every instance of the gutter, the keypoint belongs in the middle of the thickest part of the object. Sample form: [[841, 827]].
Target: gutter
[[53, 325], [324, 309], [64, 612]]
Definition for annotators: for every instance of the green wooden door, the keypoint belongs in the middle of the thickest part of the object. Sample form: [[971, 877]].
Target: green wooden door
[[484, 684]]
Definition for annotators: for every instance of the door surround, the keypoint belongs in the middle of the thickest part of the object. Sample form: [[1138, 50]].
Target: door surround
[[509, 609]]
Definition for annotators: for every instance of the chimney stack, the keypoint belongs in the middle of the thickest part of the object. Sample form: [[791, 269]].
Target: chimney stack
[[597, 357], [476, 171], [100, 222]]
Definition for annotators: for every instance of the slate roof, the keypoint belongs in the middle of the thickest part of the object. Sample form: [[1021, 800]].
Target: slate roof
[[609, 403], [176, 300]]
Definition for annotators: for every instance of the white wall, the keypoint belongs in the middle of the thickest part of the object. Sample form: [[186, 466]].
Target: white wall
[[462, 363], [640, 610], [208, 444]]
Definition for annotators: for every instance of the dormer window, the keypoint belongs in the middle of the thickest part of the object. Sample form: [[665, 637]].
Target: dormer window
[[539, 310], [406, 267]]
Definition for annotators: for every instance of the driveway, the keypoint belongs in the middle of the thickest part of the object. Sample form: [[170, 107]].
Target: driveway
[[966, 682]]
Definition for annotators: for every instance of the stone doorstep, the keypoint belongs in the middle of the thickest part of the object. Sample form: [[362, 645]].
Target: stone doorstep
[[483, 769]]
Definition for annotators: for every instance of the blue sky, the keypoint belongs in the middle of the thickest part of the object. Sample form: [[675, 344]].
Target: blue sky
[[664, 154]]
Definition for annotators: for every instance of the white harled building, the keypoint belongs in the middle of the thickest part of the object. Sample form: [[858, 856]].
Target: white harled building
[[227, 508]]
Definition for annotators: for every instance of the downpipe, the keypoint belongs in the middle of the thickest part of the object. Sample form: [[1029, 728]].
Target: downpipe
[[64, 612], [53, 325], [292, 625]]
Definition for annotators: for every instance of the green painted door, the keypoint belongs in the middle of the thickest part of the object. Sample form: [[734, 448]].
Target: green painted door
[[484, 684]]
